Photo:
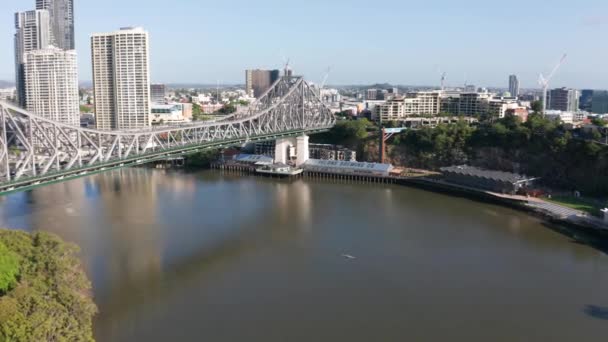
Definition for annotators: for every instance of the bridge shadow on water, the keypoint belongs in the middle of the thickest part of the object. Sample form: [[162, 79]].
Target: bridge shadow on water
[[598, 312]]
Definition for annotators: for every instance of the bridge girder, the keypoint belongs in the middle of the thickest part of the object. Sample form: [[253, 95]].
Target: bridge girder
[[32, 146]]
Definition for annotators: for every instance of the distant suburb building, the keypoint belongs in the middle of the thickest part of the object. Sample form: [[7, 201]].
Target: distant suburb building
[[121, 79], [158, 93], [257, 82], [163, 114], [514, 86], [51, 79], [33, 32], [599, 102]]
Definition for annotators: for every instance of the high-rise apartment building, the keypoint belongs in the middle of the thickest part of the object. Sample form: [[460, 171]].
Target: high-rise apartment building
[[33, 32], [257, 82], [62, 21], [564, 99], [121, 79], [514, 86], [158, 93], [51, 84]]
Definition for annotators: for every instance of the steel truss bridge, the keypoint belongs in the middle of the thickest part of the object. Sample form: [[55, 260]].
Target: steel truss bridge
[[35, 150]]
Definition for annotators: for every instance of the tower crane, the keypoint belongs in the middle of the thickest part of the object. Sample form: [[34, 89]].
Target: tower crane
[[544, 81], [443, 78], [324, 81]]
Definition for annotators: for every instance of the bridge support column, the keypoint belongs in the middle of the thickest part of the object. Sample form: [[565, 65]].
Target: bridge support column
[[302, 150], [281, 150]]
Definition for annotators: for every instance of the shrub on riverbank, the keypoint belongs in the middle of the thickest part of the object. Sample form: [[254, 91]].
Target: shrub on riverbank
[[47, 295], [202, 159]]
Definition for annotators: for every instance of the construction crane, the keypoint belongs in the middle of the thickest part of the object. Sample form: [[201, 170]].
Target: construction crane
[[324, 81], [287, 66], [322, 84], [544, 81], [443, 78]]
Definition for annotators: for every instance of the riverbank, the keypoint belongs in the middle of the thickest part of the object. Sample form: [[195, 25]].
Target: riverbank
[[549, 211]]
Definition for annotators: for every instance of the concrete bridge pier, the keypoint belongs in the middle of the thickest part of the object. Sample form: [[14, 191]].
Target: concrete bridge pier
[[292, 150]]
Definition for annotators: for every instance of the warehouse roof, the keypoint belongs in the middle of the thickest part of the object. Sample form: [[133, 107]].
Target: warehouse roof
[[501, 176]]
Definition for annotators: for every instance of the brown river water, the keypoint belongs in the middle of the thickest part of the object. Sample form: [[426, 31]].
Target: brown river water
[[206, 256]]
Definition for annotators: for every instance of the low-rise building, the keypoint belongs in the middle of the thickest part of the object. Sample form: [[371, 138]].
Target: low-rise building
[[167, 114], [331, 152], [520, 112], [7, 94], [564, 117], [481, 179], [412, 104], [347, 168]]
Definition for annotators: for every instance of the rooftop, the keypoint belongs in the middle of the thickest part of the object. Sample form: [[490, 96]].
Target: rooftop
[[489, 174]]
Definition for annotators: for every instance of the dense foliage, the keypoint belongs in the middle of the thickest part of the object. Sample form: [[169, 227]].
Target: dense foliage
[[538, 147], [202, 159], [228, 109], [9, 268], [197, 112], [349, 133], [50, 299]]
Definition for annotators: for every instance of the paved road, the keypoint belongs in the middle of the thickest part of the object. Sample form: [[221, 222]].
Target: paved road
[[555, 209]]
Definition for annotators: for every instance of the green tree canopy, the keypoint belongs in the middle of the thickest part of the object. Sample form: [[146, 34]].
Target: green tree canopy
[[51, 300], [9, 268]]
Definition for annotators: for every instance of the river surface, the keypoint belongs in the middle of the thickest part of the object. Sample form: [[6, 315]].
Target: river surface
[[176, 256]]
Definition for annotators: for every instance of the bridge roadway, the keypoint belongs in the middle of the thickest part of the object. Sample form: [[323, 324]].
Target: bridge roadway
[[35, 151]]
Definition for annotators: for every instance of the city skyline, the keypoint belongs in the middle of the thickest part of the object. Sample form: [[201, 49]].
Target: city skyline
[[357, 53]]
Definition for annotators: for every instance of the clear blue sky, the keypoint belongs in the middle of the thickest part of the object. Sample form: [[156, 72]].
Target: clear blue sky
[[396, 41]]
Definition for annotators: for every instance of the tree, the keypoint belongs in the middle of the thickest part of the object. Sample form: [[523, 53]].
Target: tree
[[228, 109], [598, 121], [50, 301], [197, 112], [9, 268], [537, 106], [349, 133]]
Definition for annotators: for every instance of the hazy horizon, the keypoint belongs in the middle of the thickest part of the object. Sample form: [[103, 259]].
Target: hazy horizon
[[195, 42]]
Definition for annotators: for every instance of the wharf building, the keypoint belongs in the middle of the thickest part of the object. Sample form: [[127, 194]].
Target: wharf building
[[316, 151], [490, 180]]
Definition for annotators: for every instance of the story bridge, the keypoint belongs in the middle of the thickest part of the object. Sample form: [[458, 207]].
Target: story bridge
[[36, 151]]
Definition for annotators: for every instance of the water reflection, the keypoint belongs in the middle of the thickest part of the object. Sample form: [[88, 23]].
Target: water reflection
[[207, 250]]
